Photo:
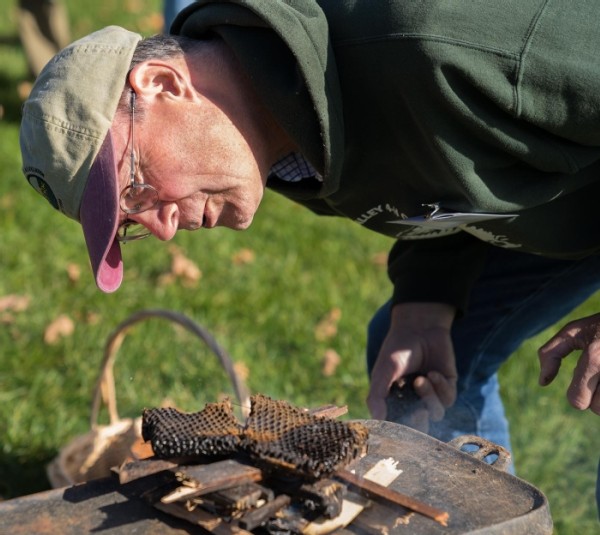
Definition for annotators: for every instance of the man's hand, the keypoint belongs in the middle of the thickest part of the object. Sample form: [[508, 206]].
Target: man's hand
[[418, 341], [584, 334]]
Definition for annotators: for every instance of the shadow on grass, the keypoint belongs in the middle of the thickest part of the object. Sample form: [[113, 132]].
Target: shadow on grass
[[9, 95], [9, 98], [21, 476]]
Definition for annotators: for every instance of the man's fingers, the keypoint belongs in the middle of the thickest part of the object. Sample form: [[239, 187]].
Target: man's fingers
[[550, 356], [445, 388], [427, 393], [376, 400], [549, 366], [586, 378], [578, 334], [377, 407]]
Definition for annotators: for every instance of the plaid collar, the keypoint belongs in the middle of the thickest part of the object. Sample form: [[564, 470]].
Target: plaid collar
[[294, 167]]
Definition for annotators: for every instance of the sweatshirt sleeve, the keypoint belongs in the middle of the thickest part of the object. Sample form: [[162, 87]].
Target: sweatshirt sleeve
[[440, 270]]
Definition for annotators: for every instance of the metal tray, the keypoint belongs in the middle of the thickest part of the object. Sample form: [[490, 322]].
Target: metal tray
[[479, 497]]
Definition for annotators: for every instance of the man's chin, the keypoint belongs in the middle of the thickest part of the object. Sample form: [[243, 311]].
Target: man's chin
[[238, 224]]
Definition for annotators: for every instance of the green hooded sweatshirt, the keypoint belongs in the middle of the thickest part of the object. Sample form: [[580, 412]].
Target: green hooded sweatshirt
[[489, 111]]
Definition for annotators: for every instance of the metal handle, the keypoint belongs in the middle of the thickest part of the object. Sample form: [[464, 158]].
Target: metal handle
[[484, 448]]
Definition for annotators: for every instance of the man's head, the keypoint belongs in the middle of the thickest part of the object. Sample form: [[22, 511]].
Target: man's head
[[199, 138]]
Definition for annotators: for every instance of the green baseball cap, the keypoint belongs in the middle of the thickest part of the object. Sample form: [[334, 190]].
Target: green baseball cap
[[66, 144]]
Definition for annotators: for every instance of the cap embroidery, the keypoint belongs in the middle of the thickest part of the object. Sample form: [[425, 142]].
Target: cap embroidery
[[34, 177]]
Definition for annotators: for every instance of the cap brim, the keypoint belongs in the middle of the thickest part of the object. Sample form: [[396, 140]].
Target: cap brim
[[99, 216]]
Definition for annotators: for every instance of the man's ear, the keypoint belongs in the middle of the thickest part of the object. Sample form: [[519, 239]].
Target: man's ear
[[156, 78]]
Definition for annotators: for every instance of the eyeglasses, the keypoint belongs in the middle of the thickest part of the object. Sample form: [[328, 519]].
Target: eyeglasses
[[136, 197]]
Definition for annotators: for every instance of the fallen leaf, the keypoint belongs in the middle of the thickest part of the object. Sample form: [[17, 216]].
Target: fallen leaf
[[244, 256], [7, 201], [327, 327], [93, 318], [380, 259], [61, 327], [14, 302], [166, 279], [7, 318], [184, 268], [73, 272], [331, 361]]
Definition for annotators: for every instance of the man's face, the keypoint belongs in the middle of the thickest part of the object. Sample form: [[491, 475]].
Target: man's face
[[201, 164]]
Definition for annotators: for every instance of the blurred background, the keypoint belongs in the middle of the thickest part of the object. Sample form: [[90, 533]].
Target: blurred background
[[288, 300]]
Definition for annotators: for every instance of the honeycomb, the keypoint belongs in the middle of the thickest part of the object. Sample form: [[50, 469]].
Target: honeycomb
[[275, 432], [213, 431], [289, 437]]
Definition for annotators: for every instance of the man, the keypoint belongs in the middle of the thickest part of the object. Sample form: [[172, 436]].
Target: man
[[470, 132]]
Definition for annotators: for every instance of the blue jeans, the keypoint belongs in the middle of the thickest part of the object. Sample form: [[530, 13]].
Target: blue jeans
[[517, 296]]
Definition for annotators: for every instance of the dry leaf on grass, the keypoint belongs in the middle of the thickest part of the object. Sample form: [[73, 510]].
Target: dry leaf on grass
[[14, 303], [166, 279], [243, 256], [7, 200], [92, 318], [331, 361], [186, 269], [73, 272], [181, 268], [61, 327], [380, 259], [327, 327]]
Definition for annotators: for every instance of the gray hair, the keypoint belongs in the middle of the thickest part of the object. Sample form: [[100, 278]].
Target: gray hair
[[162, 46]]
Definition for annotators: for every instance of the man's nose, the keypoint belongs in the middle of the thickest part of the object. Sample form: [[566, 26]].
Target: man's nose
[[162, 220]]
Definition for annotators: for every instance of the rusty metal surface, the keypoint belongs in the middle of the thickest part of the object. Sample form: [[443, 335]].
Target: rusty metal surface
[[479, 498]]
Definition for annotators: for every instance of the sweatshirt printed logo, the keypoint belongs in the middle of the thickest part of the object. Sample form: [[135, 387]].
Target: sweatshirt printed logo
[[435, 223]]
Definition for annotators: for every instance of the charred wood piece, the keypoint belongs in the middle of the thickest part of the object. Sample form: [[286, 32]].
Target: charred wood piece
[[322, 498], [237, 500], [259, 516]]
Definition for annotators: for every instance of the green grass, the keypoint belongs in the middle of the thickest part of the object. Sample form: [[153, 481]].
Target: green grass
[[264, 312]]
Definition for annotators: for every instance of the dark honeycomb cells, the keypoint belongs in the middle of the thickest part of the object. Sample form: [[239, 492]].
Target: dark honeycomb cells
[[283, 434], [212, 431], [275, 432]]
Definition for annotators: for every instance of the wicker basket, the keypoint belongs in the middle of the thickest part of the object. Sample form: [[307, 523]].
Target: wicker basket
[[92, 455]]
